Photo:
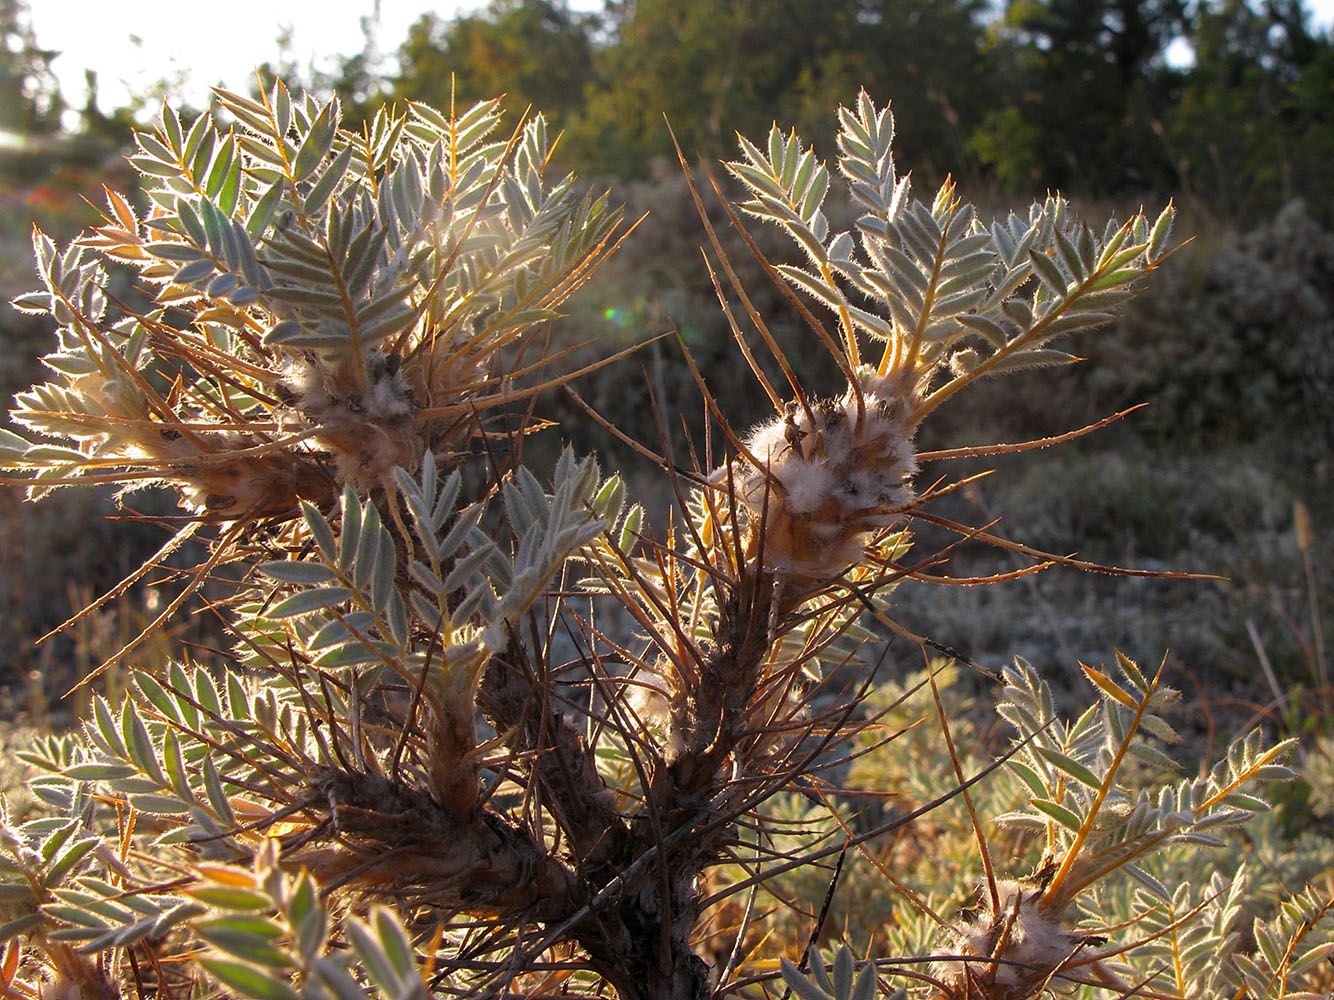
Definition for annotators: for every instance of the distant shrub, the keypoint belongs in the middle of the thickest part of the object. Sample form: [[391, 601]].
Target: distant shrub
[[1237, 343]]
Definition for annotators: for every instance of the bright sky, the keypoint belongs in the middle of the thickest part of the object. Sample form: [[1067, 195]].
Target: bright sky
[[132, 44]]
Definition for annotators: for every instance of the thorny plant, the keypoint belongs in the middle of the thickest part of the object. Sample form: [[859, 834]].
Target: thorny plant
[[487, 734]]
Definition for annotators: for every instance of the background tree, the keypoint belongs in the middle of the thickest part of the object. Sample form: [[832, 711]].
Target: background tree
[[716, 69], [1097, 97], [931, 57], [1087, 80], [30, 100], [1254, 125], [538, 53]]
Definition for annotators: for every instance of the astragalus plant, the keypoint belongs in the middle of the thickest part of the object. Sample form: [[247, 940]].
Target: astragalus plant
[[482, 730]]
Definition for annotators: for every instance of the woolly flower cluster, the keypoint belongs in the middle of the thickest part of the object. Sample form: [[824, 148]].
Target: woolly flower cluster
[[365, 413], [224, 476], [1020, 946], [824, 475]]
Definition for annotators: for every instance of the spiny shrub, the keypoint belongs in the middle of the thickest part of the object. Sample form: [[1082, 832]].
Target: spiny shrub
[[485, 731]]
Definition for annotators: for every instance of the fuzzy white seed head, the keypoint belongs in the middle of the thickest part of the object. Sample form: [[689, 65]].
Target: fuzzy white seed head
[[651, 699], [363, 412], [964, 361], [807, 486], [1026, 942], [388, 398], [825, 475], [304, 380]]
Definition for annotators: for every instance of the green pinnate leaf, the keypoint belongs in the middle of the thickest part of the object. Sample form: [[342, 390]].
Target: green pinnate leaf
[[866, 986], [1058, 812], [67, 861], [335, 978], [1072, 767], [843, 966], [240, 939], [292, 571], [309, 919], [1161, 233], [248, 980], [799, 984], [317, 143], [305, 601]]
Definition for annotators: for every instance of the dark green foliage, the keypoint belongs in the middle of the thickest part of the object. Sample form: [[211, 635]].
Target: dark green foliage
[[1085, 82], [1254, 124], [30, 101], [1237, 344], [1227, 102], [538, 53], [715, 69]]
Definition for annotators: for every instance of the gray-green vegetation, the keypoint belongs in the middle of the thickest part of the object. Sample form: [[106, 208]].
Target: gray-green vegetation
[[484, 725], [161, 831]]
